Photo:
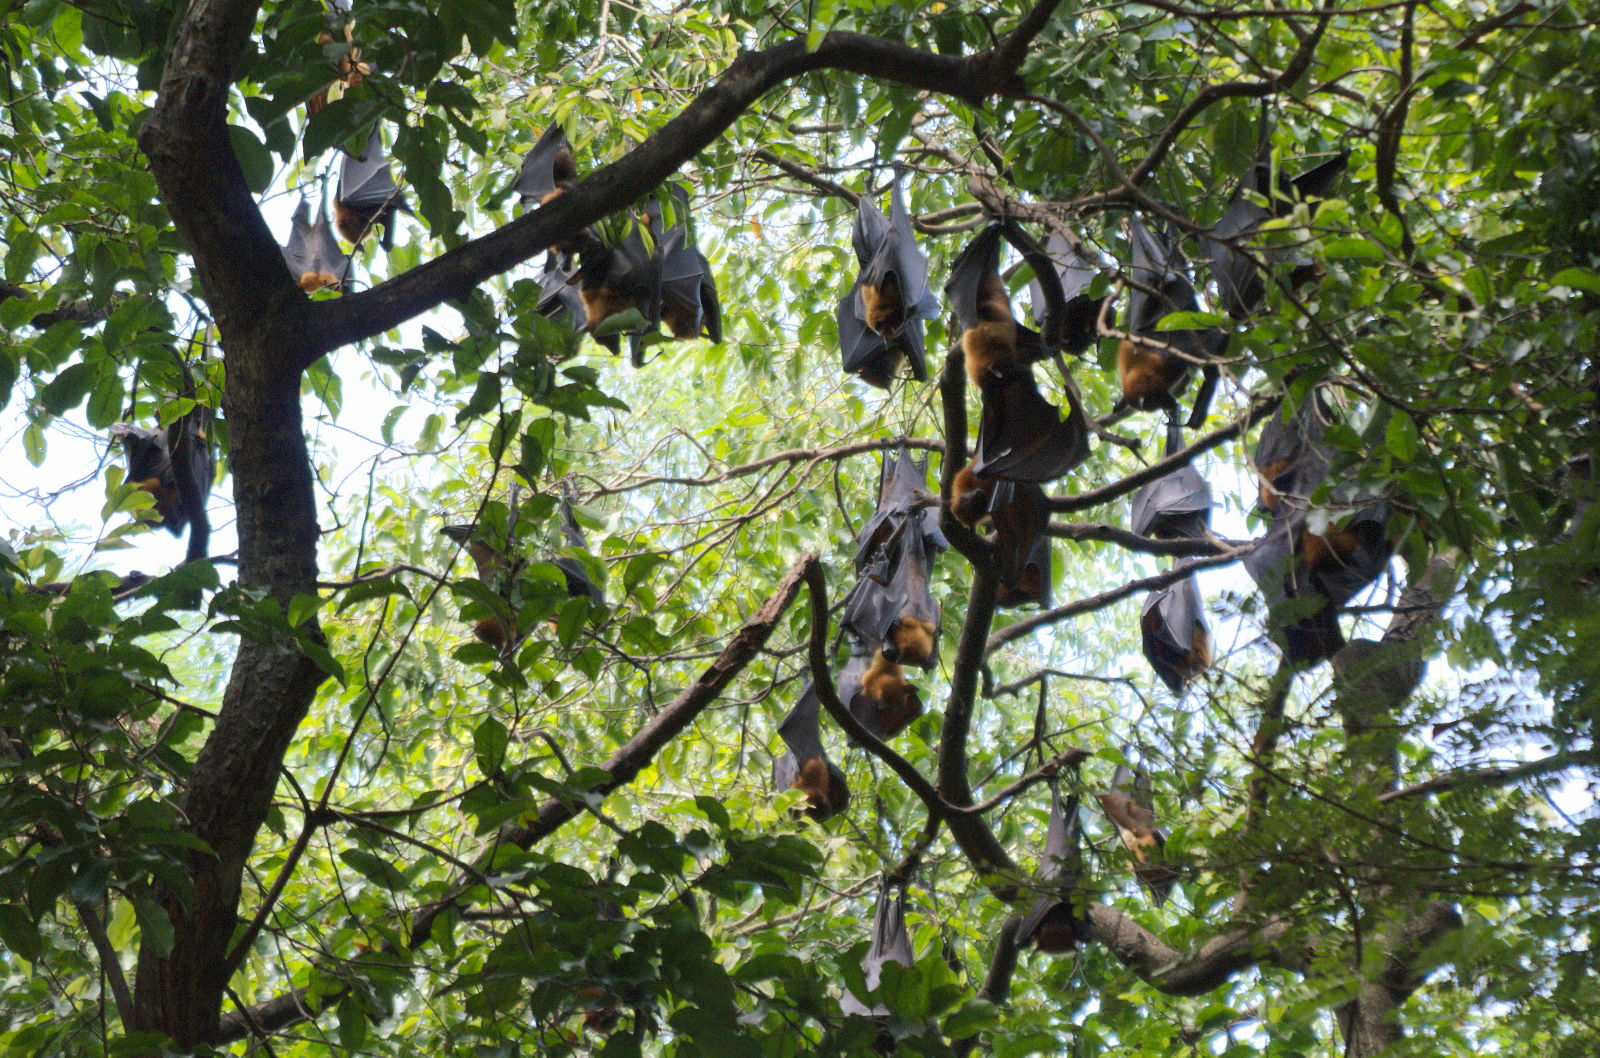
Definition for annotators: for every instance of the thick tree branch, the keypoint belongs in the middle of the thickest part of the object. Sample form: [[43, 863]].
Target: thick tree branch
[[453, 275], [1178, 973]]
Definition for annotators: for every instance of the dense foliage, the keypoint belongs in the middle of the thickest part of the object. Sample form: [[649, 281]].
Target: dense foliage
[[278, 801]]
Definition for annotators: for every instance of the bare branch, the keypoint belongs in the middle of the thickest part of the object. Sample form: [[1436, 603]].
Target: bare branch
[[1177, 973]]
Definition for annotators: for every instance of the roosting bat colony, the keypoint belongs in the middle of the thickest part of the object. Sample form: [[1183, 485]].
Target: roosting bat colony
[[641, 273]]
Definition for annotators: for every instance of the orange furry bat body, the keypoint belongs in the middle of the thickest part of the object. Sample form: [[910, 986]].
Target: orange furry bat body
[[886, 308], [822, 788], [1148, 376], [991, 344]]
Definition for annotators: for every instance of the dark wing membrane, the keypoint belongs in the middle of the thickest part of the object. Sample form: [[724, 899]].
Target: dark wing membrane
[[890, 943], [559, 298], [1160, 283], [365, 182], [1080, 314], [1290, 457], [547, 168], [910, 264], [1021, 517], [870, 232], [869, 609], [1239, 282], [1058, 921], [150, 467], [863, 351], [1021, 436], [978, 259], [1174, 635], [578, 582], [1176, 506], [312, 249]]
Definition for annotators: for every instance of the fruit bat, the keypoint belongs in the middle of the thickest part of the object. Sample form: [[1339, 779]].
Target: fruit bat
[[1151, 376], [1290, 458], [367, 195], [994, 342], [1324, 570], [1022, 437], [1058, 921], [1173, 629], [1239, 282], [150, 464], [495, 570], [1127, 805], [312, 253], [578, 582], [614, 279], [1021, 516], [902, 494], [876, 692], [880, 319], [891, 608], [689, 305], [1080, 323], [1176, 506], [804, 766], [890, 943], [548, 170], [1345, 558], [559, 297]]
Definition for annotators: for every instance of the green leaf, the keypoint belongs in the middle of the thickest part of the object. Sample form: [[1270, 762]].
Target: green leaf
[[1401, 439], [18, 932], [374, 868], [1578, 279], [155, 926], [489, 741], [67, 389], [1352, 248]]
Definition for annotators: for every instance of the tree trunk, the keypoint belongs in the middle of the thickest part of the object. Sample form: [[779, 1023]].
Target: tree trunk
[[268, 693]]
